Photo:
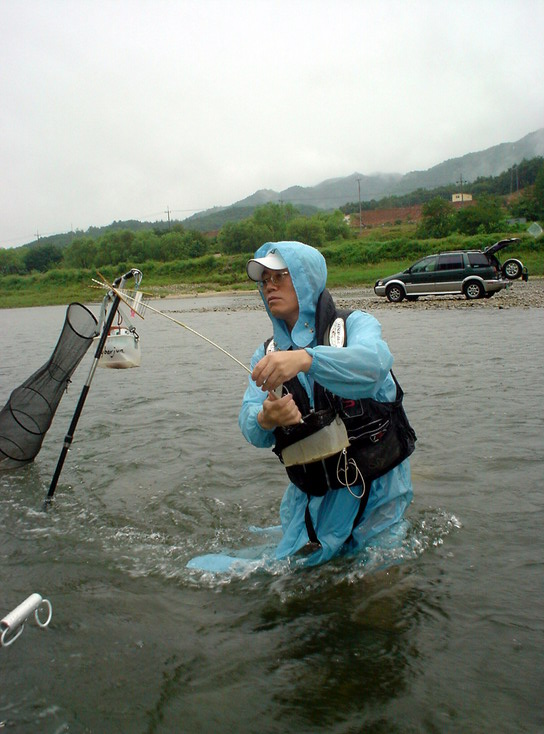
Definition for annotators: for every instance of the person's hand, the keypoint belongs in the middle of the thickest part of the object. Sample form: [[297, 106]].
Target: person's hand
[[277, 367], [278, 412]]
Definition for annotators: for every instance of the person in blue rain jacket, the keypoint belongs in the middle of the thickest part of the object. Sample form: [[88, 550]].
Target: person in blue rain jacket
[[291, 277]]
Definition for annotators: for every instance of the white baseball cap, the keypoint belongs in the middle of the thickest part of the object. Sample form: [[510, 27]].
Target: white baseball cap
[[272, 261]]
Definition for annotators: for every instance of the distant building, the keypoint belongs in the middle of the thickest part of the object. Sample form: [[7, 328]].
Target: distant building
[[461, 197]]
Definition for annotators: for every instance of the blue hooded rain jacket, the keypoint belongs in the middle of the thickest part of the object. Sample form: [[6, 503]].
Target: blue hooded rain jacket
[[360, 370]]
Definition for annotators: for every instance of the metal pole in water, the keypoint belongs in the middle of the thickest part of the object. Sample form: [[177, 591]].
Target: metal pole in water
[[79, 408]]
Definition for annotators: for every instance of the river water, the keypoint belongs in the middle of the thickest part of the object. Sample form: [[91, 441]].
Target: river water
[[441, 634]]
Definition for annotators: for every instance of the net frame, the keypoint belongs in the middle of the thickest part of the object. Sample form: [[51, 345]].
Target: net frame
[[30, 409]]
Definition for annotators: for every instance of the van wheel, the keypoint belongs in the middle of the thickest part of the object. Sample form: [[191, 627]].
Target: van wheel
[[512, 269], [394, 293], [474, 290]]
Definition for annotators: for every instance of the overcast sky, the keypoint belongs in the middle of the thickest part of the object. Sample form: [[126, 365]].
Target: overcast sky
[[122, 109]]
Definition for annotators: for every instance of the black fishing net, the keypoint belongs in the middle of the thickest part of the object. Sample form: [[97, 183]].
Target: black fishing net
[[26, 417]]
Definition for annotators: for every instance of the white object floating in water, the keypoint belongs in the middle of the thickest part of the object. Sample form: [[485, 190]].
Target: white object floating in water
[[13, 623], [121, 350]]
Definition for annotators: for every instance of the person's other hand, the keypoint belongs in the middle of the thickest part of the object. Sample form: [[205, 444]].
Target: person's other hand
[[279, 412]]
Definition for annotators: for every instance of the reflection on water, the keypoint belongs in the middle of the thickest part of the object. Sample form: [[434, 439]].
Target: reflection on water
[[437, 631], [344, 648]]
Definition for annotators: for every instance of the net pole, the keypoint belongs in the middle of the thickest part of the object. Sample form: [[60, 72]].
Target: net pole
[[85, 391]]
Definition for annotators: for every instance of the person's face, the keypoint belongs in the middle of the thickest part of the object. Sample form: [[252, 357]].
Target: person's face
[[278, 289]]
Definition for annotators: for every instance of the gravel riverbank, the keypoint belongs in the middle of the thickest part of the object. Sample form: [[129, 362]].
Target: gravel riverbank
[[518, 295]]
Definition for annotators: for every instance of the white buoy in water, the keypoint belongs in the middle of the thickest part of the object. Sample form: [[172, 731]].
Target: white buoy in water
[[13, 623]]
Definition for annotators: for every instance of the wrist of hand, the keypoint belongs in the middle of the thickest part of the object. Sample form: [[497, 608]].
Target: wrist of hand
[[264, 424]]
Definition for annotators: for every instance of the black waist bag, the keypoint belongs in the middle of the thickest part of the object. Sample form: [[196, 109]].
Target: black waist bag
[[380, 439], [382, 436]]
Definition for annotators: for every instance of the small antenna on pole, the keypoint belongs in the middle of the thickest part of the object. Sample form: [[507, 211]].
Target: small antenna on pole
[[461, 182]]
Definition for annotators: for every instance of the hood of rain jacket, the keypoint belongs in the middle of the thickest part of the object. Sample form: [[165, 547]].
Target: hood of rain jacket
[[308, 271]]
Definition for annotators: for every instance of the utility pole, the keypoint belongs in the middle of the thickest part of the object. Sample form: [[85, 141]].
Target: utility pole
[[168, 213], [461, 182], [360, 214]]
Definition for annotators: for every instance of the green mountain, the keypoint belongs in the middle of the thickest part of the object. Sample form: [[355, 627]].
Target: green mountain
[[490, 162], [335, 192]]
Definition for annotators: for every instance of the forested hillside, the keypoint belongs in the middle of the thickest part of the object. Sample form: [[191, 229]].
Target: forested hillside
[[497, 203]]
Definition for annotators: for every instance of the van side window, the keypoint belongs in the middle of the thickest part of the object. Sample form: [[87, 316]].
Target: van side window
[[427, 265], [478, 260], [450, 262]]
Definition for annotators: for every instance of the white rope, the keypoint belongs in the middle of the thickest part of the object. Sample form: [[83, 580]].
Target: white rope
[[344, 470]]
